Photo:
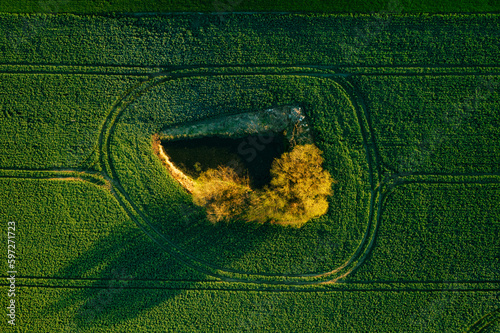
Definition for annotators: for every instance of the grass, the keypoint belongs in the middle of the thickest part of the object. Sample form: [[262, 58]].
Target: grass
[[232, 311], [437, 232], [53, 120], [150, 186], [449, 121], [188, 40], [77, 230], [343, 6], [404, 114]]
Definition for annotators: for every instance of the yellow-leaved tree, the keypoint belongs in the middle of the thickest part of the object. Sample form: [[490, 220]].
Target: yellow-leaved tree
[[222, 192], [297, 192]]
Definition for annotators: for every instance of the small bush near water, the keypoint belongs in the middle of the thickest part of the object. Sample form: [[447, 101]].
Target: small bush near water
[[297, 191]]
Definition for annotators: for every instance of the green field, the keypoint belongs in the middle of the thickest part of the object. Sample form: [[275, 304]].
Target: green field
[[227, 6], [405, 108]]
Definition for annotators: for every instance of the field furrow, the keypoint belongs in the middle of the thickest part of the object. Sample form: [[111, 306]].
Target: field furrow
[[405, 109]]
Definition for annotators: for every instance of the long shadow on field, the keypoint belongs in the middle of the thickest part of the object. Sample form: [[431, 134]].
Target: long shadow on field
[[114, 275], [126, 274]]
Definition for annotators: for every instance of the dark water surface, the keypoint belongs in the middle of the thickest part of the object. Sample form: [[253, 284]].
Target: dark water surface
[[252, 155]]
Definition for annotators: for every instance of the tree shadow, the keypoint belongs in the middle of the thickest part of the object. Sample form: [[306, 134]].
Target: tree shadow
[[111, 277], [107, 282]]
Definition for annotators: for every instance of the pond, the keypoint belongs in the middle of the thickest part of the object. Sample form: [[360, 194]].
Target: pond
[[251, 155]]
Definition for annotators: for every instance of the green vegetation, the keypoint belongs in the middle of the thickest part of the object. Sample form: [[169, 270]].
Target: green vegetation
[[77, 230], [297, 192], [264, 311], [433, 232], [54, 120], [449, 121], [221, 6], [406, 116], [245, 247], [249, 40]]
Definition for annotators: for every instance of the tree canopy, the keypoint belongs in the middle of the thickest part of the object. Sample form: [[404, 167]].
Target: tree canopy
[[297, 192]]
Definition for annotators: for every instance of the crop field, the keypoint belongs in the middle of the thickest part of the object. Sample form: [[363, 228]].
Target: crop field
[[405, 108], [225, 6]]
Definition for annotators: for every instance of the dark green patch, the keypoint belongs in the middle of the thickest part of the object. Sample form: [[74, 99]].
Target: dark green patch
[[252, 155]]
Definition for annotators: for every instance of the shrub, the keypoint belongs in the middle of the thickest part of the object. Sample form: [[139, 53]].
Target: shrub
[[222, 192], [298, 189], [296, 193]]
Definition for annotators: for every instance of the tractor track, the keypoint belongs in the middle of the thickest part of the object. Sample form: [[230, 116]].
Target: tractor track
[[151, 79], [113, 177], [290, 289], [485, 322]]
